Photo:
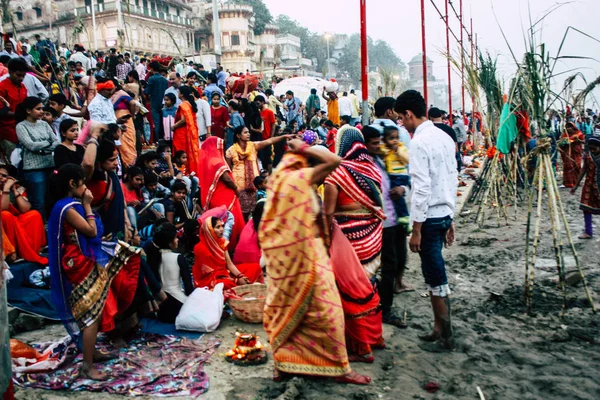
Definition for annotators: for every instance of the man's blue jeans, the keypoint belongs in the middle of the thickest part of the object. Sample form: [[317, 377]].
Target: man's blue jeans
[[157, 119], [433, 239], [36, 188]]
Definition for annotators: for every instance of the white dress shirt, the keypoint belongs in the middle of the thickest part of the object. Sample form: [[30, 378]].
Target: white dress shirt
[[345, 105], [80, 57], [203, 116], [101, 110], [433, 173], [142, 71]]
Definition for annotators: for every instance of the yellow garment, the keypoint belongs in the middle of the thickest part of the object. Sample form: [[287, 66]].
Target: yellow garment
[[128, 140], [395, 161], [244, 179], [304, 318]]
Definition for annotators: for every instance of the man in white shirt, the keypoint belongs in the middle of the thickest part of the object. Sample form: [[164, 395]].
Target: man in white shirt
[[78, 56], [175, 83], [142, 69], [203, 118], [433, 199], [355, 108], [345, 105]]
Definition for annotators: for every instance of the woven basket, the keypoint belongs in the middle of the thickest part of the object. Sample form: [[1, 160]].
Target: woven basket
[[250, 311]]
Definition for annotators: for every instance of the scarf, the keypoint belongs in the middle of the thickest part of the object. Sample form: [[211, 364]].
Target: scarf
[[244, 156]]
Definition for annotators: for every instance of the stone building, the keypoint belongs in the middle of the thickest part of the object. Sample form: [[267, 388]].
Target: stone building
[[437, 90]]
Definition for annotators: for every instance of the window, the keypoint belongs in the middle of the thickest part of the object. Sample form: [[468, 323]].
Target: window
[[235, 40], [38, 12], [19, 15]]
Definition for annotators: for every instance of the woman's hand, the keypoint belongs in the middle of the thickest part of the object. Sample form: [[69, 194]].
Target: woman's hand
[[134, 203], [242, 280], [87, 197], [167, 156], [10, 181]]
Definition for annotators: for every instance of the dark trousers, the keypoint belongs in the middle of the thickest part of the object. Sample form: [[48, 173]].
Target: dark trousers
[[433, 239], [393, 259]]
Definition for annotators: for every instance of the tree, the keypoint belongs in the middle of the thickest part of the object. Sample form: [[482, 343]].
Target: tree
[[262, 15]]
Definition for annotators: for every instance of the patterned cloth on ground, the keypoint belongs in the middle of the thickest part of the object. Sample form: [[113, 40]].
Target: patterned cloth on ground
[[152, 364]]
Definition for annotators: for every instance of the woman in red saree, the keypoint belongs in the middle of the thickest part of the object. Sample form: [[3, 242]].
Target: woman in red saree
[[219, 116], [572, 154], [217, 185], [303, 318], [185, 130], [212, 263], [22, 228]]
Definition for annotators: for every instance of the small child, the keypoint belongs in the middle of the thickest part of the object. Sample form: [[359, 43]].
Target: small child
[[396, 162], [191, 180], [58, 102], [49, 116], [260, 183], [168, 114], [176, 209]]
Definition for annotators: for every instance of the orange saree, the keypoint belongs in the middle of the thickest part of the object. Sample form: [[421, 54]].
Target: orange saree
[[303, 318], [186, 137], [25, 231], [120, 102]]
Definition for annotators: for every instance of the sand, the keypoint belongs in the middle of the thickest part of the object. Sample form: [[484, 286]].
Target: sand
[[502, 350]]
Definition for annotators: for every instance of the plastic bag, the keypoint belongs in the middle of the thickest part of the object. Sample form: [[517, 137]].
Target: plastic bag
[[19, 349], [202, 310]]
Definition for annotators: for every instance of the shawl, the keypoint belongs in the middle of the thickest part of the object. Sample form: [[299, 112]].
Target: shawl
[[186, 137], [111, 210], [209, 254], [291, 254], [244, 157], [90, 247], [213, 166], [357, 176]]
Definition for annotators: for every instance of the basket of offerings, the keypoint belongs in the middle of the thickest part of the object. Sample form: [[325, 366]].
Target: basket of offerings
[[247, 302]]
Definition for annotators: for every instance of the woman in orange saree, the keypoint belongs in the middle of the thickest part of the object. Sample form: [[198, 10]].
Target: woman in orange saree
[[123, 105], [185, 130], [22, 228], [303, 316], [218, 187], [572, 154], [212, 264]]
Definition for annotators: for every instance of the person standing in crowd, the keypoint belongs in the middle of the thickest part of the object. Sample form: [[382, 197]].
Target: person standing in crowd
[[355, 108], [111, 63], [14, 92], [212, 87], [9, 49], [571, 151], [185, 129], [142, 68], [126, 109], [333, 108], [122, 68], [219, 115], [269, 122], [221, 79], [242, 158], [35, 88], [79, 56], [435, 116], [394, 251], [68, 152], [134, 87], [385, 115], [345, 106], [101, 108], [156, 88], [434, 187], [294, 107], [590, 195], [461, 137], [175, 84], [203, 116], [235, 120], [38, 141], [313, 105], [294, 319]]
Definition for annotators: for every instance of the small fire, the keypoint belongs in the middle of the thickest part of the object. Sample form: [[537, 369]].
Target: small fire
[[247, 350]]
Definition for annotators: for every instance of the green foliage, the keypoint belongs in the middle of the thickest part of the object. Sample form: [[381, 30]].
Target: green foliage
[[312, 45], [262, 15]]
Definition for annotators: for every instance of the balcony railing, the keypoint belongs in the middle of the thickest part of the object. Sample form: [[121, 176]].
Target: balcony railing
[[136, 10]]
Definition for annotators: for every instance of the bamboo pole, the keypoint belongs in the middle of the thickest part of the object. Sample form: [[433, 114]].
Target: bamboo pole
[[554, 223], [536, 238], [527, 237], [572, 245]]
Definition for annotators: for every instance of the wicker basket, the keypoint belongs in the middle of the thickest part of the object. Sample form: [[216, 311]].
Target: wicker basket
[[250, 311]]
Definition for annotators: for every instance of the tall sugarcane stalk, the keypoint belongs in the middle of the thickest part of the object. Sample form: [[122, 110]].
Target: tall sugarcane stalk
[[536, 237], [527, 239]]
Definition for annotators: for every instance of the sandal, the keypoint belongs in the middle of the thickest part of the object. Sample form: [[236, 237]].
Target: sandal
[[393, 319], [354, 378], [367, 358]]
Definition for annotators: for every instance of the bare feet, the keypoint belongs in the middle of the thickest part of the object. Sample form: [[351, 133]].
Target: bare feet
[[431, 337], [354, 378], [119, 343], [404, 287], [585, 236], [90, 372]]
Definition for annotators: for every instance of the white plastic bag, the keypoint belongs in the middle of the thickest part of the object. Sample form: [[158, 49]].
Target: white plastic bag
[[202, 310]]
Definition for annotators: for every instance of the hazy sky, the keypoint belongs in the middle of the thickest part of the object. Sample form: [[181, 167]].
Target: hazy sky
[[399, 23]]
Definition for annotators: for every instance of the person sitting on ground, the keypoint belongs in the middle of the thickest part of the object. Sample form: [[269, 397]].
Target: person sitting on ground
[[154, 190], [172, 268], [212, 263], [132, 191], [68, 152], [180, 161], [23, 227], [176, 209]]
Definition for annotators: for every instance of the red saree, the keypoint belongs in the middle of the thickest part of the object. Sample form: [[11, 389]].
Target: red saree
[[213, 191], [25, 232], [210, 265], [360, 299], [186, 137], [572, 158]]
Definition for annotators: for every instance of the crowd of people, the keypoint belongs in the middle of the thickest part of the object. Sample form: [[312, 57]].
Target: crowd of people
[[147, 178]]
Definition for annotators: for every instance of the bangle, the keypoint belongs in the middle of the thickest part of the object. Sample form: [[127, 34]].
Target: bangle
[[6, 192], [91, 217]]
